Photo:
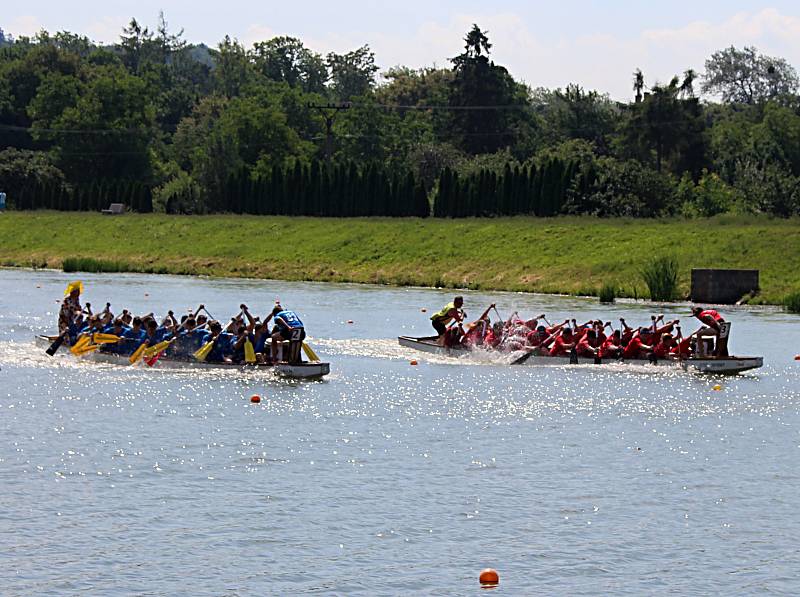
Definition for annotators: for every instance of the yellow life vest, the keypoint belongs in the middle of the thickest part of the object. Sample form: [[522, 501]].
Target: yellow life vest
[[443, 314]]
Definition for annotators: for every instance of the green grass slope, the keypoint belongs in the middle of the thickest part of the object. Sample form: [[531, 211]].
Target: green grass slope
[[560, 255]]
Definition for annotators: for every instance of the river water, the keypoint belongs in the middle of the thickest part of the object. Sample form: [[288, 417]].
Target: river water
[[386, 478]]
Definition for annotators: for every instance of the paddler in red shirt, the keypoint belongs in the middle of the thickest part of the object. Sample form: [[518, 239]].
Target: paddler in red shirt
[[683, 348], [476, 331], [714, 326], [563, 344], [611, 348], [664, 348], [588, 346], [636, 349]]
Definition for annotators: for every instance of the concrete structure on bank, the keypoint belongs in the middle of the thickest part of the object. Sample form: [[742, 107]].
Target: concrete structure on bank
[[722, 286]]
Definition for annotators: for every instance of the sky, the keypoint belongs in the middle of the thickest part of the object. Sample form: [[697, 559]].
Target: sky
[[597, 44]]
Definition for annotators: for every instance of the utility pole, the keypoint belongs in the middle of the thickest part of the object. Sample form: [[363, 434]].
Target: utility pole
[[329, 113]]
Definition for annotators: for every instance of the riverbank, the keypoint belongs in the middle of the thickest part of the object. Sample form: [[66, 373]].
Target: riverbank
[[560, 255]]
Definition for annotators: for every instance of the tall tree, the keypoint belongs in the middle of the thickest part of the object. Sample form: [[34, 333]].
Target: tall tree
[[482, 97], [287, 59], [352, 74], [747, 77], [666, 127], [638, 85], [233, 67]]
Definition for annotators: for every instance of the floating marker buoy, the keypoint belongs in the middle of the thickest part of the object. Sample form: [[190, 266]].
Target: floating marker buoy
[[489, 576], [350, 321], [717, 388], [255, 399], [797, 358], [146, 294], [424, 310], [414, 363]]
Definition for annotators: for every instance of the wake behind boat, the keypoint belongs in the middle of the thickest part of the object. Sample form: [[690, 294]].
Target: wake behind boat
[[722, 365]]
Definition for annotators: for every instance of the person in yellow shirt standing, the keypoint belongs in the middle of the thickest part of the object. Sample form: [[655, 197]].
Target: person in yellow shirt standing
[[450, 312]]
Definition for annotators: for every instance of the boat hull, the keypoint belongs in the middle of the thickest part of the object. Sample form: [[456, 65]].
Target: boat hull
[[304, 370], [717, 366]]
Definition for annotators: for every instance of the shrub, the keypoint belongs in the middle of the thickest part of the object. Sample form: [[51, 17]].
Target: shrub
[[90, 264], [613, 188], [709, 197], [792, 302], [608, 293], [661, 277]]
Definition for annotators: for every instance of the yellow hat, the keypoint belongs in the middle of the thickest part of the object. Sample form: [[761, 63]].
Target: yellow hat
[[77, 285]]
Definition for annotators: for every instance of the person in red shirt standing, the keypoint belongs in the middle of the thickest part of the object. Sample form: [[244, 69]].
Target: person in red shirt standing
[[713, 326]]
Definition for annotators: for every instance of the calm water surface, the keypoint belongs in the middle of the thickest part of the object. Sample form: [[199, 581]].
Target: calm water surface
[[385, 478]]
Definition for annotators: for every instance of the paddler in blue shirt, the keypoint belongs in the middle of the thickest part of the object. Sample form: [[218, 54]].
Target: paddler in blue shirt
[[288, 326], [133, 337], [117, 329], [222, 349], [243, 334], [188, 340]]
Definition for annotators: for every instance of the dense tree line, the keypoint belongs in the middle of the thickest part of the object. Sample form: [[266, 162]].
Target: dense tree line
[[161, 124]]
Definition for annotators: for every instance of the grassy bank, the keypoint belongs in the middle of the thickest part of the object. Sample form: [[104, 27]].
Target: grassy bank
[[563, 255]]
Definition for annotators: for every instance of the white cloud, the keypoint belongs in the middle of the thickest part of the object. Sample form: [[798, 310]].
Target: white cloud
[[24, 25], [107, 30]]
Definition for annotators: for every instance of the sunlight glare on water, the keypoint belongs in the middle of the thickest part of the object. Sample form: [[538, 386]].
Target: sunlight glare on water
[[387, 478]]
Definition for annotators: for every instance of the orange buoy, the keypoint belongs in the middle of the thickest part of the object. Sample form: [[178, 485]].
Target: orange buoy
[[414, 363], [717, 388], [797, 358], [489, 576], [255, 399]]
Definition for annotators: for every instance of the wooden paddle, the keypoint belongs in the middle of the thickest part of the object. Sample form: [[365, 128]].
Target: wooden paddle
[[82, 342], [202, 354], [137, 354], [57, 343], [312, 356]]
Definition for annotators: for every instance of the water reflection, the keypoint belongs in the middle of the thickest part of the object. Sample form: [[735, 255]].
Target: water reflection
[[573, 480]]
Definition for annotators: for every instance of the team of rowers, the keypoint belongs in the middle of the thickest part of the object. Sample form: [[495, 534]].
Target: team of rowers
[[593, 339], [245, 339]]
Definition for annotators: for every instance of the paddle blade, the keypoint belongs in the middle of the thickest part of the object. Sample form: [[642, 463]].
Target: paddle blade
[[56, 345], [154, 350], [312, 356], [87, 349], [249, 352], [82, 343], [137, 353], [106, 339], [202, 354]]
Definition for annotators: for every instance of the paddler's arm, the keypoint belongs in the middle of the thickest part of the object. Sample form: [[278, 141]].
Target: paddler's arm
[[486, 313], [252, 322]]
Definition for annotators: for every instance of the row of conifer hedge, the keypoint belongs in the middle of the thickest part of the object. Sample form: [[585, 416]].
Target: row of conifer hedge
[[339, 190]]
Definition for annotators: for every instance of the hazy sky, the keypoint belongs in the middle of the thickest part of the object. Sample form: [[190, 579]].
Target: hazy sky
[[595, 43]]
